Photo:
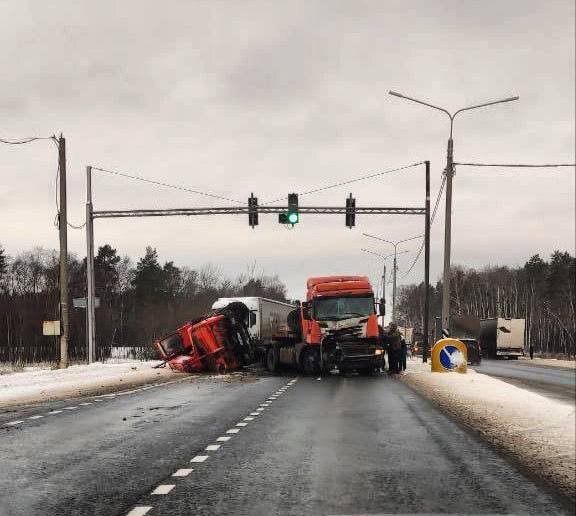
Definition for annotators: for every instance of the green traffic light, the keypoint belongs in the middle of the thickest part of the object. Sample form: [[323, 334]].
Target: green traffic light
[[293, 218]]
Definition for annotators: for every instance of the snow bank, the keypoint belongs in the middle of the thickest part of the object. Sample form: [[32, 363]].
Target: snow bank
[[552, 362], [36, 384], [538, 432]]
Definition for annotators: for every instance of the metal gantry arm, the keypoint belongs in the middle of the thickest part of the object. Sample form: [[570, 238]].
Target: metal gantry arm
[[92, 214]]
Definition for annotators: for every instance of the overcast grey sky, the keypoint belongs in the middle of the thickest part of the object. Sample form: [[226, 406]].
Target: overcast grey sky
[[270, 97]]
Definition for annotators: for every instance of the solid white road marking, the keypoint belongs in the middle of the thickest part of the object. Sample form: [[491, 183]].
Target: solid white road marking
[[163, 489], [213, 447], [35, 417], [241, 424], [199, 458], [182, 472], [223, 439], [233, 431], [139, 511], [14, 423], [54, 412]]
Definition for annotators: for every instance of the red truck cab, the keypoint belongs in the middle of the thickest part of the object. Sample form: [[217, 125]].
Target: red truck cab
[[340, 325]]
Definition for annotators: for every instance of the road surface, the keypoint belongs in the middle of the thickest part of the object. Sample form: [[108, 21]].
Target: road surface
[[555, 382], [340, 445]]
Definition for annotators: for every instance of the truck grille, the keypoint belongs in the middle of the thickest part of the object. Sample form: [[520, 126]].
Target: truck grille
[[351, 332], [351, 349]]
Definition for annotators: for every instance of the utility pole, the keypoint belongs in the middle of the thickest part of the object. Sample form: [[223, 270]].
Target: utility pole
[[426, 267], [63, 230], [449, 171], [90, 294], [395, 270]]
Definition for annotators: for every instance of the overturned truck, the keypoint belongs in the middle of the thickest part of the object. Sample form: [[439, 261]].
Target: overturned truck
[[218, 342]]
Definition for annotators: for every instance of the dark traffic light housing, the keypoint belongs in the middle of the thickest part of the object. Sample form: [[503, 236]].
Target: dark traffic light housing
[[252, 210], [350, 211]]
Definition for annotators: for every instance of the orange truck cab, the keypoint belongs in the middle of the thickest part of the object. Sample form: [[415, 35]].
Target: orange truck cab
[[340, 326]]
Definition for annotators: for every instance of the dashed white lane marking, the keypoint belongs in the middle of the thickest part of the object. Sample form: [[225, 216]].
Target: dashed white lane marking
[[86, 403], [233, 431], [260, 409], [182, 472], [254, 413], [212, 447], [199, 458], [163, 489], [35, 417], [54, 412], [241, 424], [223, 439], [139, 511], [248, 418], [14, 423], [103, 400], [70, 408]]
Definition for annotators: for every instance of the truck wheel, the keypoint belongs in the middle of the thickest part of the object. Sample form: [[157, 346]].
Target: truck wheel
[[272, 359], [310, 362]]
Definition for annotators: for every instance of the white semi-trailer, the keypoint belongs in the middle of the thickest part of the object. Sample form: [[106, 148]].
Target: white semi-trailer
[[268, 318], [500, 337]]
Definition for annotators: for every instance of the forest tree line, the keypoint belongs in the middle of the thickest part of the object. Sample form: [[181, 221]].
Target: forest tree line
[[138, 302], [541, 291]]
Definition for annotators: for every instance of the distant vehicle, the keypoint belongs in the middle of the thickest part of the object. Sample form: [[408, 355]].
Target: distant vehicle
[[473, 349], [267, 318], [500, 337]]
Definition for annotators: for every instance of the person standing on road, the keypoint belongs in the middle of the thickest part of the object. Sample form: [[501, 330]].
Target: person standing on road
[[394, 349], [531, 351], [403, 353]]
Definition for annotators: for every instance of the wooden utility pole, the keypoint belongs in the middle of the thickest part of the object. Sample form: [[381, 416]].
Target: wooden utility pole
[[63, 228]]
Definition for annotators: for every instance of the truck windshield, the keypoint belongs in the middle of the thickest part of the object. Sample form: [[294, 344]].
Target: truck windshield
[[338, 308]]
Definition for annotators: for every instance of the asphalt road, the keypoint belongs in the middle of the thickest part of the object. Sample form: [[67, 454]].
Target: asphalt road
[[555, 382], [340, 445]]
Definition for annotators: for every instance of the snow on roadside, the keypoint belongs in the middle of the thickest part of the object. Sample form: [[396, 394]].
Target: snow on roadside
[[551, 362], [36, 385], [538, 432]]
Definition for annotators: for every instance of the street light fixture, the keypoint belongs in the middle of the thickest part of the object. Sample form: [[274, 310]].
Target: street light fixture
[[449, 171], [395, 268]]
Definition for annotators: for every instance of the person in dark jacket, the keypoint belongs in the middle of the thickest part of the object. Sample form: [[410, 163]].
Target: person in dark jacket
[[394, 339], [403, 353]]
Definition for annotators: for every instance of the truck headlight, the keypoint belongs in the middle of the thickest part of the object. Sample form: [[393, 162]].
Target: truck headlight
[[378, 351]]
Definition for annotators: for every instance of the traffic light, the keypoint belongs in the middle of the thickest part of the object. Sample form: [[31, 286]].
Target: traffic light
[[252, 210], [291, 216], [350, 211]]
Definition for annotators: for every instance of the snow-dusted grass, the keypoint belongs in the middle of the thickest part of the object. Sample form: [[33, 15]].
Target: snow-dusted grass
[[41, 384], [539, 432]]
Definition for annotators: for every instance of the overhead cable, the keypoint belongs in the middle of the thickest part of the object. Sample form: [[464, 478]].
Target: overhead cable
[[167, 185], [355, 180], [516, 165]]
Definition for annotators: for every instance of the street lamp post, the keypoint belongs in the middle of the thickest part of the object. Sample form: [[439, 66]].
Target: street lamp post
[[384, 258], [395, 267], [448, 215]]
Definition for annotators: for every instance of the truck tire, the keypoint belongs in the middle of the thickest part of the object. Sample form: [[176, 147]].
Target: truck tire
[[272, 359], [310, 362]]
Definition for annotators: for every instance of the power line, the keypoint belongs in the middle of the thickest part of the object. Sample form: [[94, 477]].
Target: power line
[[342, 183], [516, 165], [432, 217], [23, 141], [167, 185]]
